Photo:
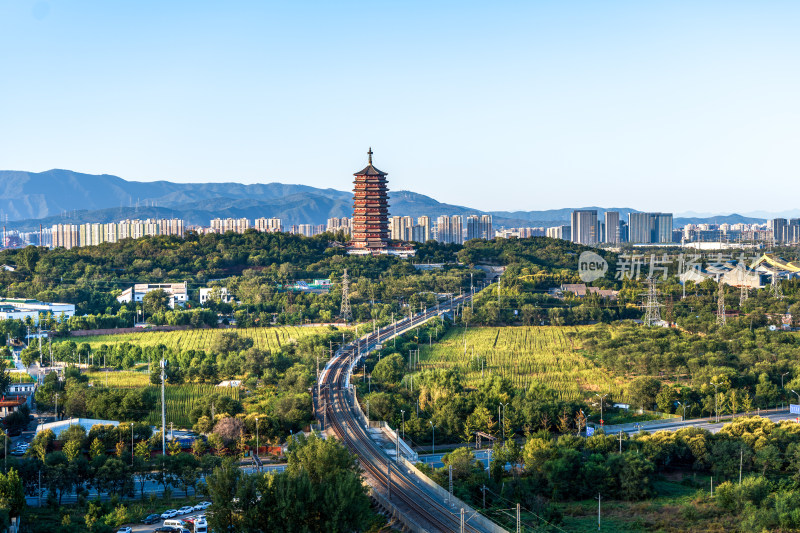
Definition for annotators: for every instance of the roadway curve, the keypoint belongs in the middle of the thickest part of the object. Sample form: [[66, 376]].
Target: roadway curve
[[426, 508]]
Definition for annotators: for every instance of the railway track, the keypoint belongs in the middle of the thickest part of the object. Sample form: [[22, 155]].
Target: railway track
[[429, 511]]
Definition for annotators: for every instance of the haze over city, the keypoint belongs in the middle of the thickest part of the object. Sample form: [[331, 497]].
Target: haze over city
[[677, 107]]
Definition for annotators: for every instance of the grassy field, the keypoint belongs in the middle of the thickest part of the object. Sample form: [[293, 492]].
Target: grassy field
[[270, 338], [524, 355], [125, 379]]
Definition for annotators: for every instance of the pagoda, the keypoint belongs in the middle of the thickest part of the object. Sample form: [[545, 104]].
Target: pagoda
[[370, 225]]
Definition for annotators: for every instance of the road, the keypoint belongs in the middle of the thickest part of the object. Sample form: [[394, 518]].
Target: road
[[702, 423], [428, 510]]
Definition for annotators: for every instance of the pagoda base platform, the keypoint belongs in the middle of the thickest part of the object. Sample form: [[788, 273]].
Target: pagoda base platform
[[403, 250]]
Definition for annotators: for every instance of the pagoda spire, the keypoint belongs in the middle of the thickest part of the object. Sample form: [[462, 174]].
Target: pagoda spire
[[370, 155]]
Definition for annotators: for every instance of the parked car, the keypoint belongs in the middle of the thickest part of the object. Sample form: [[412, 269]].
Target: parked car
[[124, 530], [169, 513], [151, 519], [202, 506], [165, 529], [186, 509]]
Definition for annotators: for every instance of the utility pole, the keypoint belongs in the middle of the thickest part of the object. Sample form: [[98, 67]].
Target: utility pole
[[56, 410], [601, 407], [433, 440], [462, 520], [483, 490], [620, 441], [164, 409], [716, 402], [598, 511], [518, 520], [741, 461]]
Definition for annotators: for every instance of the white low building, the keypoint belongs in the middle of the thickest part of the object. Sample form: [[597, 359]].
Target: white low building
[[61, 425], [178, 293], [206, 293], [21, 308]]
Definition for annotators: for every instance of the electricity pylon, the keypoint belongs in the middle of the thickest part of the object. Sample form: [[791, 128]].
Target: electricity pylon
[[777, 291], [652, 309], [346, 312], [721, 304]]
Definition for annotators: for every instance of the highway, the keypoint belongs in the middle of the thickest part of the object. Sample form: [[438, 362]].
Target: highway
[[427, 510]]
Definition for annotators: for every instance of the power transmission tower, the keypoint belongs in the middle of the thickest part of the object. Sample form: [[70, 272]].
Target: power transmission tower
[[652, 309], [721, 304], [777, 291], [346, 312], [744, 293]]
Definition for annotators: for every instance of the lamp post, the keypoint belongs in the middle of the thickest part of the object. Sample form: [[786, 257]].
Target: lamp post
[[684, 405], [716, 402], [602, 422], [433, 439], [403, 414], [798, 395], [502, 423], [259, 469], [782, 389]]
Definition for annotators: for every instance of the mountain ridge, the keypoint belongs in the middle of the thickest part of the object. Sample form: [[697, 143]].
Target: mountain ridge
[[28, 199]]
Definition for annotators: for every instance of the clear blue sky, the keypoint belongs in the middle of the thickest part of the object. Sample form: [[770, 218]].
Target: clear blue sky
[[667, 105]]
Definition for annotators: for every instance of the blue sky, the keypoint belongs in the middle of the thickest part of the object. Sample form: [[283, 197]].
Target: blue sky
[[676, 106]]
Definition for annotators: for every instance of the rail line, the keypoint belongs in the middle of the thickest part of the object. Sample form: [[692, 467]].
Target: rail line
[[399, 483]]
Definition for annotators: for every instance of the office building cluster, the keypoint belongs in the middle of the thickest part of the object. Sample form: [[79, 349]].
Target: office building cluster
[[586, 227]]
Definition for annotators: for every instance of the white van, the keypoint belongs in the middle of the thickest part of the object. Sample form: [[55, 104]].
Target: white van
[[175, 522], [201, 526]]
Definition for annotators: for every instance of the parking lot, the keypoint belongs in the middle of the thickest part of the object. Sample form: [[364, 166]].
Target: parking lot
[[144, 528]]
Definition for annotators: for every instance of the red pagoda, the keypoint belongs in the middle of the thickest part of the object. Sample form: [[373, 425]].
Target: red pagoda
[[370, 225]]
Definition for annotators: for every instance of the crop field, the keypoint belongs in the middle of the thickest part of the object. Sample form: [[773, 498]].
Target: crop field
[[524, 355], [125, 379], [269, 338]]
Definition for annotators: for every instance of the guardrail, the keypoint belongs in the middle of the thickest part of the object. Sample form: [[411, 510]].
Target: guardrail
[[474, 517]]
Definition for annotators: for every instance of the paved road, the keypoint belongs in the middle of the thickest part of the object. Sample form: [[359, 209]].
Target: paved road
[[703, 423]]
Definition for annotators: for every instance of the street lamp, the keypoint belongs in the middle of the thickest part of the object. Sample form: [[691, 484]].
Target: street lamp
[[403, 414], [782, 389], [716, 402], [502, 424], [798, 395], [433, 439], [684, 405], [602, 422], [259, 469]]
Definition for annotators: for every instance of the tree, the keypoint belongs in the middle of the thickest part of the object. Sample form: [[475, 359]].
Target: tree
[[155, 301], [229, 429], [222, 487], [12, 493], [643, 391], [97, 448], [389, 370]]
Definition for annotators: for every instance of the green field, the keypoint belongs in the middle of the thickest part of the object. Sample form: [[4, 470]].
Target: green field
[[270, 338], [524, 355], [181, 399]]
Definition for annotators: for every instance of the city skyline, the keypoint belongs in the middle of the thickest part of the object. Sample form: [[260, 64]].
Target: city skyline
[[693, 100]]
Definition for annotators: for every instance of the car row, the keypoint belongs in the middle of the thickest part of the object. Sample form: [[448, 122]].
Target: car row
[[21, 448], [186, 509]]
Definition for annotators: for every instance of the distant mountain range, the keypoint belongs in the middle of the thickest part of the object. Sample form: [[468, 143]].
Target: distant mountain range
[[28, 199]]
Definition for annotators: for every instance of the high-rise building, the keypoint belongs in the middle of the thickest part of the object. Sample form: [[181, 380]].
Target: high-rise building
[[370, 227], [778, 228], [486, 230], [560, 232], [444, 232], [649, 228], [612, 227], [269, 225], [224, 225], [457, 229], [473, 227], [424, 223], [65, 235], [584, 226]]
